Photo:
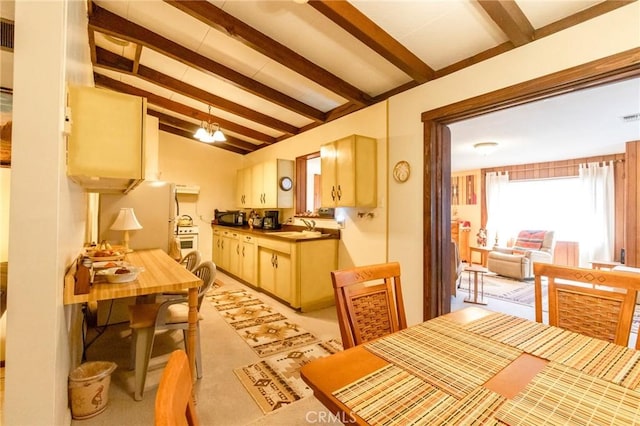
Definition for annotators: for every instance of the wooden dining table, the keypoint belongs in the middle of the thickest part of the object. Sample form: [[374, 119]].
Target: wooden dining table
[[160, 274], [475, 365]]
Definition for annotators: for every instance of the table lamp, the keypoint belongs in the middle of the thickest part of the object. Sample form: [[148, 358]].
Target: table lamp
[[126, 221]]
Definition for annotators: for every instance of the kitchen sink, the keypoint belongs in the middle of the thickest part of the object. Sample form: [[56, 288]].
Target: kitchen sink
[[299, 234]]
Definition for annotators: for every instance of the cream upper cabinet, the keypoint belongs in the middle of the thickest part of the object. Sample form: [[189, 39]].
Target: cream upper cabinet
[[244, 186], [349, 172], [106, 144], [266, 192]]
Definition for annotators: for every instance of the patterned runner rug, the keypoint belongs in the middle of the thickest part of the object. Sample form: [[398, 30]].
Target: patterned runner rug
[[264, 329], [275, 381]]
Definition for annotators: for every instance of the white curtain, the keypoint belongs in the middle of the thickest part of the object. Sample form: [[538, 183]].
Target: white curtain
[[496, 184], [597, 212]]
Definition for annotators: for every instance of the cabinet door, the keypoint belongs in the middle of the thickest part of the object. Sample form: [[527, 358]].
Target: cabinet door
[[107, 134], [328, 169], [282, 269], [266, 275], [243, 188], [345, 172], [217, 247], [270, 184], [234, 256], [257, 193], [248, 260]]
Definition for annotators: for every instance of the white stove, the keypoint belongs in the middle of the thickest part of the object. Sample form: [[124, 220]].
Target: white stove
[[187, 230], [188, 238]]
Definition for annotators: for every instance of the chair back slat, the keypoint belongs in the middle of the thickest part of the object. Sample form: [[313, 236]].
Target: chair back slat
[[592, 302], [369, 302]]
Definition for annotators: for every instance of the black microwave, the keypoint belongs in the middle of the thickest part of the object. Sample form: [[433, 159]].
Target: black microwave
[[230, 218]]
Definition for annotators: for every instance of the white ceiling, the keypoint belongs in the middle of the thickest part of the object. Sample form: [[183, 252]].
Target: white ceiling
[[579, 124]]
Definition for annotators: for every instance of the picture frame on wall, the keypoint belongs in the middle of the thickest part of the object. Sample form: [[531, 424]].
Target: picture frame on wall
[[6, 121]]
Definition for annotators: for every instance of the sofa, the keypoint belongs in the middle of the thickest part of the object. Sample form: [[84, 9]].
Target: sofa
[[517, 261]]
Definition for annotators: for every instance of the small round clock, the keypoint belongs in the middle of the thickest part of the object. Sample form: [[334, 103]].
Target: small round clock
[[286, 183], [401, 171]]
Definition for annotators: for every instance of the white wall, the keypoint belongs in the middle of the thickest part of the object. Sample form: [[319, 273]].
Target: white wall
[[574, 46], [189, 162], [47, 211]]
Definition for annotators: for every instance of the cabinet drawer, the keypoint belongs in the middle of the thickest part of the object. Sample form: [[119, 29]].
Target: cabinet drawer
[[276, 245]]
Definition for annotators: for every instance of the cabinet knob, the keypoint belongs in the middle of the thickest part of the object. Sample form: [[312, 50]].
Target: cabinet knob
[[339, 192]]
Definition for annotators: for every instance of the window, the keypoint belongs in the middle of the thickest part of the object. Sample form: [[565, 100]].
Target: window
[[548, 204]]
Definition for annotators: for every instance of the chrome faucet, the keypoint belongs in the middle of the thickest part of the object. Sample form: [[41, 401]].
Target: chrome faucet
[[311, 225]]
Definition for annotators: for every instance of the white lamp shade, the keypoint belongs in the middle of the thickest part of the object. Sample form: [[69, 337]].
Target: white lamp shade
[[126, 220], [218, 136]]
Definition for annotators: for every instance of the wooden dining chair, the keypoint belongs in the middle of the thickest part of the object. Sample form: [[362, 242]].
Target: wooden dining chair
[[595, 303], [369, 302], [174, 404], [147, 318]]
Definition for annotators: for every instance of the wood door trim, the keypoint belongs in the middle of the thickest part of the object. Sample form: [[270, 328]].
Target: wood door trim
[[436, 213]]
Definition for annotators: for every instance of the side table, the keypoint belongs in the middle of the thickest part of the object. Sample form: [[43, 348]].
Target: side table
[[481, 270], [604, 264], [484, 254]]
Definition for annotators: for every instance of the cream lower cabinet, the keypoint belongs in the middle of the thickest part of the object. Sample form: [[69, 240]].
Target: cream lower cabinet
[[247, 253], [224, 245], [298, 272], [274, 268], [235, 253]]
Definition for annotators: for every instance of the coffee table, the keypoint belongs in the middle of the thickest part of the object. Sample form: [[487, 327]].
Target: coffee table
[[476, 270]]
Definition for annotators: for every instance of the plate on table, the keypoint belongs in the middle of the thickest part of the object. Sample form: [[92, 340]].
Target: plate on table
[[105, 255], [108, 264], [122, 274]]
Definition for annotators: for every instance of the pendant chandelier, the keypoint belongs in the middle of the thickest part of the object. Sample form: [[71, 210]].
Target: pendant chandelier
[[209, 132]]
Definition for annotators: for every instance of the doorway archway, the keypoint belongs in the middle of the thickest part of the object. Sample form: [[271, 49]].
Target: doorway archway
[[437, 156]]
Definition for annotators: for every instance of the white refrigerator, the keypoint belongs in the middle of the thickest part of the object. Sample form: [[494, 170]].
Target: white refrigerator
[[155, 207]]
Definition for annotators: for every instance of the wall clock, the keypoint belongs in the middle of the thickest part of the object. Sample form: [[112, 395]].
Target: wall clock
[[401, 171], [286, 183]]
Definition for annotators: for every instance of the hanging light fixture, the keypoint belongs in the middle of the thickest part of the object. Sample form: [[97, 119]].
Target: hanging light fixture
[[209, 132]]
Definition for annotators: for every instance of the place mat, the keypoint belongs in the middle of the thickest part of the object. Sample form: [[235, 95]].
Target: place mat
[[563, 395], [605, 360], [275, 382], [264, 329], [445, 355], [393, 396]]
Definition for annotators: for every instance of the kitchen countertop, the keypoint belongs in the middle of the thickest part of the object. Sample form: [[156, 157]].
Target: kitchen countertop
[[287, 232]]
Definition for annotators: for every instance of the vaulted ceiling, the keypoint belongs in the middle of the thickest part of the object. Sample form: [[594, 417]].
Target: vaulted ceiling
[[268, 70]]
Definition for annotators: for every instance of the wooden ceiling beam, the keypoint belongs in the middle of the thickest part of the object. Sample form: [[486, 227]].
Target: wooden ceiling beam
[[187, 111], [345, 15], [247, 35], [109, 23], [580, 17], [111, 60], [511, 20], [185, 134], [188, 126]]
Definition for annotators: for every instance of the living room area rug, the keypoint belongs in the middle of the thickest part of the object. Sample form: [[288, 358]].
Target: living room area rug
[[275, 381], [521, 292], [264, 329]]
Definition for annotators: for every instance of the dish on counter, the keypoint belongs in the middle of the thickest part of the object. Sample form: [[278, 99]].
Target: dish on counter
[[120, 274]]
